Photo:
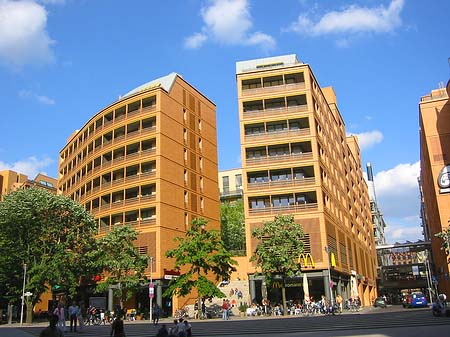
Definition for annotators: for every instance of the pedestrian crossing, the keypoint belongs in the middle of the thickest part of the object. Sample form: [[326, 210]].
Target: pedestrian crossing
[[275, 325]]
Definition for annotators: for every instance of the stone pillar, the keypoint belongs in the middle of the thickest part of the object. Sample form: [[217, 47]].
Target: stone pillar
[[158, 286], [326, 284], [110, 299], [252, 288]]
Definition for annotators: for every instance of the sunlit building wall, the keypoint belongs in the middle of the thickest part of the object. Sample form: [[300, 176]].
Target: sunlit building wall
[[148, 160], [434, 115], [297, 160]]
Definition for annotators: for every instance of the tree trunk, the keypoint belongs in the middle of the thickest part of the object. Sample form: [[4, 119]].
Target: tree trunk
[[283, 295], [29, 319]]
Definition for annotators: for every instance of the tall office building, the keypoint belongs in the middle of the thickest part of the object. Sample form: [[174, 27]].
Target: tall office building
[[434, 115], [298, 160], [148, 160]]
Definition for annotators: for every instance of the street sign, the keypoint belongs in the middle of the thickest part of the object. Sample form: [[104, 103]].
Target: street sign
[[151, 290]]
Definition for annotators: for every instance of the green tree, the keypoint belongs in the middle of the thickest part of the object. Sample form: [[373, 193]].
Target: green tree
[[280, 244], [232, 224], [49, 233], [122, 264], [445, 236], [201, 252]]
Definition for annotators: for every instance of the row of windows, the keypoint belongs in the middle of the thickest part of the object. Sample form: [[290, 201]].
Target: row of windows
[[141, 214], [271, 81], [112, 157], [275, 103], [278, 150], [280, 174], [112, 116], [134, 192], [282, 200], [110, 138], [277, 126]]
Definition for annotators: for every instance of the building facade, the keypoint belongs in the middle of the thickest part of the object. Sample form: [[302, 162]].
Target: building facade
[[11, 181], [434, 117], [230, 185], [148, 160], [298, 160]]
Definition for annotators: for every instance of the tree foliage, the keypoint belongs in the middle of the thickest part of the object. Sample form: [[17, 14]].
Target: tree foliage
[[232, 223], [123, 266], [200, 253], [280, 244], [445, 236], [49, 233]]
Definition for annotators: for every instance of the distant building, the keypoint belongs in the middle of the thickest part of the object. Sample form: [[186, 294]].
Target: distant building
[[377, 217], [230, 185], [434, 116], [11, 181], [148, 160], [297, 159]]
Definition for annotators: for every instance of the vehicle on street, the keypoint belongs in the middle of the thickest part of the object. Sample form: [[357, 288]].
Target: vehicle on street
[[379, 302], [415, 300]]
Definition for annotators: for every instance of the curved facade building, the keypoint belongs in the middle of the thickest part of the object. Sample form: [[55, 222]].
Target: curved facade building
[[148, 160]]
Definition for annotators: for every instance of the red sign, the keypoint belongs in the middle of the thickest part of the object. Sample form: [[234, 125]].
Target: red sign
[[151, 290]]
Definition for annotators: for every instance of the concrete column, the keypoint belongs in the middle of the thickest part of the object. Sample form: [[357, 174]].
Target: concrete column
[[110, 299], [158, 286], [252, 288], [326, 284]]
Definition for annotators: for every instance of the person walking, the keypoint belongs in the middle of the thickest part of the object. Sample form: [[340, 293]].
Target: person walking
[[155, 314], [61, 313], [52, 330], [73, 312], [117, 329], [224, 310]]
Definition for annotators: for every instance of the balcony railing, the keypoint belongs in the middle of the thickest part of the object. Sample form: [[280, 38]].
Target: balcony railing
[[275, 88], [283, 209], [277, 134], [275, 111], [281, 183], [277, 159], [138, 225]]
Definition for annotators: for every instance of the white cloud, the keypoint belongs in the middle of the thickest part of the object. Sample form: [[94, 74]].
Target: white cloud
[[397, 192], [40, 98], [30, 166], [369, 139], [228, 22], [195, 41], [352, 19], [23, 35]]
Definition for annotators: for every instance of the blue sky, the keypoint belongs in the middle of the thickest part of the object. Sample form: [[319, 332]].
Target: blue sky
[[61, 61]]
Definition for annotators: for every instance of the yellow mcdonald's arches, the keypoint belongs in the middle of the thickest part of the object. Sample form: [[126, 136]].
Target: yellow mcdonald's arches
[[305, 257], [276, 285], [333, 260]]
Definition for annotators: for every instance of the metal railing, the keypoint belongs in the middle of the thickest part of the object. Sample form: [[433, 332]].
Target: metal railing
[[281, 183], [275, 111], [282, 158], [283, 209]]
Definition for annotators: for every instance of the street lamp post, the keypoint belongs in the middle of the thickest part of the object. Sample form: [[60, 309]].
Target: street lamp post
[[151, 289], [23, 292], [330, 286]]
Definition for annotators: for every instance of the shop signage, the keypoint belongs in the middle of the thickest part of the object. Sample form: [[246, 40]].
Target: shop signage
[[444, 180], [305, 257]]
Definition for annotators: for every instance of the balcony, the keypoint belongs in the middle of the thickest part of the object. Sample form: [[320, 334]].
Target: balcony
[[138, 225], [283, 209], [276, 88], [277, 134], [279, 159], [280, 183], [275, 111]]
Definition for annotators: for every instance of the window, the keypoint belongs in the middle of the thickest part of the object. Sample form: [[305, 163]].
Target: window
[[238, 179], [226, 184], [259, 202], [282, 200]]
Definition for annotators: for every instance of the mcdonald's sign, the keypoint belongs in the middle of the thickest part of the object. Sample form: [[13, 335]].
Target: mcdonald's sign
[[276, 285], [305, 257]]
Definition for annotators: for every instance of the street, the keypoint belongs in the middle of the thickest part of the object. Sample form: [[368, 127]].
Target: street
[[391, 322]]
